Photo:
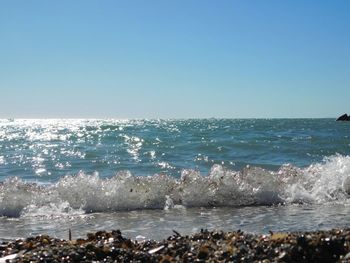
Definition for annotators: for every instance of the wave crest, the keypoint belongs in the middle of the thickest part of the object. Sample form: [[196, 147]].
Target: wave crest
[[328, 181]]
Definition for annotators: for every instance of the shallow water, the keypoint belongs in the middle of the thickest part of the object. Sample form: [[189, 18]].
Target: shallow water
[[159, 224]]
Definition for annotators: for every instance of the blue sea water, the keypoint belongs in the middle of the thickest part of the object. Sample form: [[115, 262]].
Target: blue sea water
[[142, 175]]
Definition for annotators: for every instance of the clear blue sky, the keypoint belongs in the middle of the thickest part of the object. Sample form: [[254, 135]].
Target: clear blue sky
[[174, 59]]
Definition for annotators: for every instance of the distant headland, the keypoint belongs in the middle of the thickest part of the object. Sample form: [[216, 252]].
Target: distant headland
[[344, 117]]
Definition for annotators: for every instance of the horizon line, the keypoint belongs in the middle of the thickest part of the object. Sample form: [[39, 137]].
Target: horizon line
[[155, 118]]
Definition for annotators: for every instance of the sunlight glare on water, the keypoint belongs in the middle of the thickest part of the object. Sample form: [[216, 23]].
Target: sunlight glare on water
[[252, 174]]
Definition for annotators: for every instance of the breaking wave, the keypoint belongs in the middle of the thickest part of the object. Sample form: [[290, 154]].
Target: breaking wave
[[324, 182]]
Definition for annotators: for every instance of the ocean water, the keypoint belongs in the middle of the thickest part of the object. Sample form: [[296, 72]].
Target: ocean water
[[148, 177]]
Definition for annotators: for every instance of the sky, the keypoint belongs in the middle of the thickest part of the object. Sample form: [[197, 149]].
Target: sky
[[174, 59]]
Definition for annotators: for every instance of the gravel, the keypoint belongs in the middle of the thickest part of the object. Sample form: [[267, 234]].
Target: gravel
[[205, 246]]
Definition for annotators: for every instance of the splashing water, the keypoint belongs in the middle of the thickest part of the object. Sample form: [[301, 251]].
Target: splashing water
[[79, 173], [319, 183]]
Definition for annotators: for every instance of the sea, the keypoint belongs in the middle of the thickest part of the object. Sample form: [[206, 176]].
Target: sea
[[151, 177]]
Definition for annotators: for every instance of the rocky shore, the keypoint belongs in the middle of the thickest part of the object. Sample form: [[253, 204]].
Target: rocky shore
[[205, 246]]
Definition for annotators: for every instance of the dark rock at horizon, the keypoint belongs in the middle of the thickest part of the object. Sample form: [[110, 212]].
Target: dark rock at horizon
[[344, 117]]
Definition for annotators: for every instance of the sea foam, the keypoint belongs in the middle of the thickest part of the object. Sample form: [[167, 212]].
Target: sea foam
[[324, 182]]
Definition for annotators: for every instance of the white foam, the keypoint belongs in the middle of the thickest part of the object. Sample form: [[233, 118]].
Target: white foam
[[322, 182], [15, 195], [325, 182], [51, 210]]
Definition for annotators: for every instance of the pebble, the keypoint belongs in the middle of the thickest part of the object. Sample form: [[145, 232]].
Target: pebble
[[204, 246]]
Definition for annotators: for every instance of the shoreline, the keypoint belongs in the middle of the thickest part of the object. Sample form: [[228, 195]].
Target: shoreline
[[204, 246]]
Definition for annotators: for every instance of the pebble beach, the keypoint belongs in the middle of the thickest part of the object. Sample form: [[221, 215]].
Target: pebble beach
[[204, 246]]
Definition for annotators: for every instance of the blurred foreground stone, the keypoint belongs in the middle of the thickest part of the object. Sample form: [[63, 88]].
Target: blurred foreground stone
[[205, 246]]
